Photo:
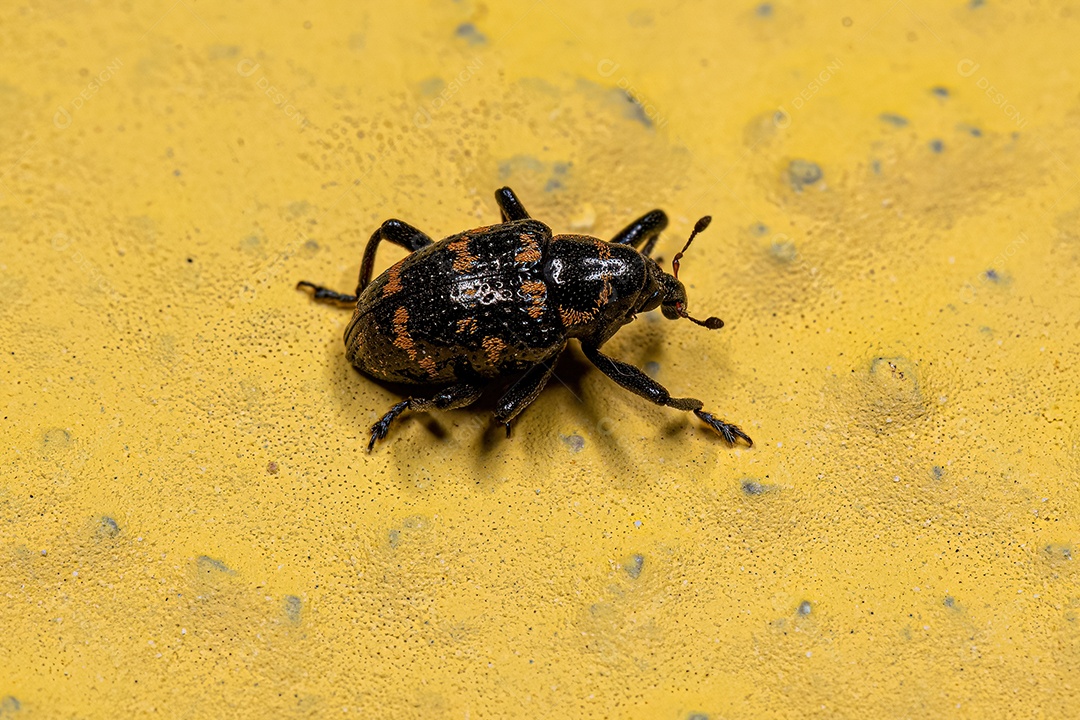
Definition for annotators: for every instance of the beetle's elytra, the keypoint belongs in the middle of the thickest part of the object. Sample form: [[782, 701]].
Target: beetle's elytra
[[505, 299]]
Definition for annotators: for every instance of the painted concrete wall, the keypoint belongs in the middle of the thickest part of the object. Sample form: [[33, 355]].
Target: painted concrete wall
[[189, 524]]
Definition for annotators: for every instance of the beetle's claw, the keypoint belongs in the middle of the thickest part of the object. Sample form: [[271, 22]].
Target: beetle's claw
[[378, 432], [729, 432]]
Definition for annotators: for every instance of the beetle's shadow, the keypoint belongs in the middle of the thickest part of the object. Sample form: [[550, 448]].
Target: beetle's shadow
[[598, 417], [563, 390], [570, 368]]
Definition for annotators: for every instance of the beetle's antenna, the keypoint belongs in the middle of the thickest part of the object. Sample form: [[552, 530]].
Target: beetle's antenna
[[713, 323], [699, 227]]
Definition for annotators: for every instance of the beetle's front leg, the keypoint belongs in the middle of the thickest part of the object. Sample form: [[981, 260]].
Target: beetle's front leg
[[641, 384], [522, 393], [452, 397]]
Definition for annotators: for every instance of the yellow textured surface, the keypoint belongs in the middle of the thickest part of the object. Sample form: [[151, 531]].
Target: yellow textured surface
[[189, 524]]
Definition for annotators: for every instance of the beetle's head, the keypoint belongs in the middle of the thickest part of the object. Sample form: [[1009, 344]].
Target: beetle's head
[[669, 293]]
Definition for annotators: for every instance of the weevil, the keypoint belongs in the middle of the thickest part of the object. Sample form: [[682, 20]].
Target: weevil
[[504, 300]]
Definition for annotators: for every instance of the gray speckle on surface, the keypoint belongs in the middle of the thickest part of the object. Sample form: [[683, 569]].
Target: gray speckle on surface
[[9, 704], [1058, 551], [292, 608], [394, 537], [431, 86], [208, 565], [938, 471], [519, 164], [805, 608], [894, 119], [107, 527], [759, 229], [575, 442], [652, 368], [992, 275], [940, 91], [55, 439], [784, 251], [802, 173], [752, 487], [764, 10], [697, 716], [937, 146], [469, 32], [633, 565], [949, 601]]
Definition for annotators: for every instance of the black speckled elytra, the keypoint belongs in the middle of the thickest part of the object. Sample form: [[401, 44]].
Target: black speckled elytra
[[505, 299]]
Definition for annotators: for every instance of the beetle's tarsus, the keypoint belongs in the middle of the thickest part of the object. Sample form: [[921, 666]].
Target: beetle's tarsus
[[323, 293], [452, 397], [727, 430], [381, 428]]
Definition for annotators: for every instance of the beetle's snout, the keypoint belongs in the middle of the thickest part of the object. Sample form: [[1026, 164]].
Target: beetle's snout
[[674, 303]]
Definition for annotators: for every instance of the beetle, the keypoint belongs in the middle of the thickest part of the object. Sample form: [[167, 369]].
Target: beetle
[[504, 299]]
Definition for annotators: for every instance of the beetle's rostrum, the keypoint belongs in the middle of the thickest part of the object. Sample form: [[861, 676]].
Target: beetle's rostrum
[[505, 299]]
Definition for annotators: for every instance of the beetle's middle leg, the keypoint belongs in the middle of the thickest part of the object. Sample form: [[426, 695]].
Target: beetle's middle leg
[[646, 229], [522, 393], [395, 231], [641, 384], [452, 397]]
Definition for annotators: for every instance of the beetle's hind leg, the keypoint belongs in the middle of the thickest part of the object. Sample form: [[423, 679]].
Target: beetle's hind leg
[[509, 205], [400, 233], [641, 384], [452, 397], [646, 229], [396, 232]]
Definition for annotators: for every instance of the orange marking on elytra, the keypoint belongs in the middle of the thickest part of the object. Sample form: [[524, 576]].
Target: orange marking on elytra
[[530, 249], [393, 280], [466, 325], [463, 259], [401, 332], [428, 363], [536, 292], [603, 250], [571, 316], [493, 348], [605, 291]]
